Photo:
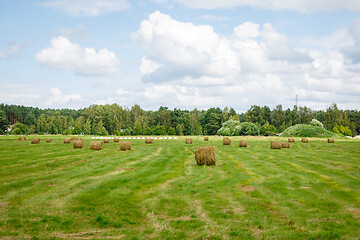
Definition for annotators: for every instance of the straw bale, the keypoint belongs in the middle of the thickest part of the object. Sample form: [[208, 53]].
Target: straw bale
[[35, 140], [206, 138], [78, 144], [205, 155], [291, 140], [305, 140], [74, 138], [188, 141], [67, 140], [275, 145], [226, 141], [106, 140], [285, 145], [149, 141], [243, 143], [331, 140], [96, 146], [48, 140], [125, 146], [22, 139], [116, 139]]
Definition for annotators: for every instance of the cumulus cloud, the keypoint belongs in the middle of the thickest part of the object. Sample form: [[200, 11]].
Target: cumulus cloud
[[65, 55], [87, 7], [297, 5], [353, 52], [58, 98]]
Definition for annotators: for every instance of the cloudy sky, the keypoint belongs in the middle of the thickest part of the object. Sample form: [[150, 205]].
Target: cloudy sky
[[180, 53]]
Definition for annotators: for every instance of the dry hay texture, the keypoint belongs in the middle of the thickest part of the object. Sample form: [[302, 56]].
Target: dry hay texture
[[275, 145], [291, 140], [96, 146], [48, 140], [331, 140], [188, 141], [125, 146], [74, 138], [116, 139], [206, 138], [285, 145], [148, 141], [226, 141], [305, 140], [22, 139], [243, 143], [106, 140], [35, 140], [205, 155], [78, 144], [67, 140]]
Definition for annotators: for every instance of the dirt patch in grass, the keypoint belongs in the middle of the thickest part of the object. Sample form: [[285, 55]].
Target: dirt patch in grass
[[355, 212], [247, 188], [4, 205], [87, 235]]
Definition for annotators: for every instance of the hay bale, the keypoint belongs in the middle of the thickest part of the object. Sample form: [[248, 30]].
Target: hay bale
[[291, 140], [285, 145], [106, 140], [243, 143], [74, 139], [226, 141], [35, 140], [188, 141], [205, 155], [78, 144], [48, 140], [116, 139], [125, 146], [305, 140], [67, 140], [275, 145], [331, 140], [149, 141], [206, 138], [22, 139], [96, 146]]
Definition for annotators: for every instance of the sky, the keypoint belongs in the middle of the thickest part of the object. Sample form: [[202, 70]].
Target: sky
[[180, 53]]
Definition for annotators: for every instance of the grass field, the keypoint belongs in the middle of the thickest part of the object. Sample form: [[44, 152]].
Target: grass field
[[156, 191]]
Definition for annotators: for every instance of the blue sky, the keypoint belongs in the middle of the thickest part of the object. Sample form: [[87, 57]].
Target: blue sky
[[180, 53]]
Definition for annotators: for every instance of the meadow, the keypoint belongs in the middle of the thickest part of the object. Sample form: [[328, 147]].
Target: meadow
[[156, 191]]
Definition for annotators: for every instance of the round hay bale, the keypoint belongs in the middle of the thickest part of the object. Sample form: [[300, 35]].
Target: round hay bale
[[188, 141], [22, 139], [78, 144], [35, 140], [331, 140], [96, 146], [305, 140], [206, 138], [285, 145], [67, 140], [48, 140], [205, 155], [106, 140], [149, 141], [74, 138], [291, 140], [275, 145], [226, 141], [116, 139], [125, 146], [243, 143]]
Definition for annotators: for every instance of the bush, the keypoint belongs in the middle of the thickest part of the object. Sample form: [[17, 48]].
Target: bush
[[303, 130], [246, 128], [342, 130], [117, 132], [67, 132], [19, 129], [316, 123], [171, 131], [267, 129], [224, 131]]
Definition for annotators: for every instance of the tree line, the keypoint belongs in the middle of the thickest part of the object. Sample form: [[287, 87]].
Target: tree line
[[117, 120]]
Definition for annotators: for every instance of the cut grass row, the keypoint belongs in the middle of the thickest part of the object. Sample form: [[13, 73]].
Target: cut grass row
[[51, 190]]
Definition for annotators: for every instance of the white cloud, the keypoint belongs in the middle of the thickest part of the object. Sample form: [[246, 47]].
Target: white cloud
[[87, 7], [353, 52], [297, 5], [13, 50], [58, 98], [78, 33], [65, 55]]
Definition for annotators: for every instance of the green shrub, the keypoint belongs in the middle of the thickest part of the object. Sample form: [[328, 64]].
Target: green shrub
[[303, 130], [246, 128], [117, 132], [316, 123], [19, 129], [342, 130], [267, 129], [224, 131]]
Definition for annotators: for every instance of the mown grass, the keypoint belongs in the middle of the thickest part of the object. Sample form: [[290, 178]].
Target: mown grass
[[156, 191]]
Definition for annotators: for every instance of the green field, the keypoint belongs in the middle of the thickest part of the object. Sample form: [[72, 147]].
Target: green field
[[156, 191]]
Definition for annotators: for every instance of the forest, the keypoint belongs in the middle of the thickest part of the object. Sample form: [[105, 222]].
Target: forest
[[118, 120]]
